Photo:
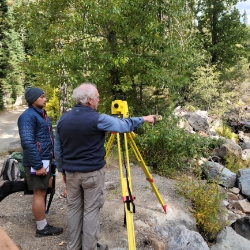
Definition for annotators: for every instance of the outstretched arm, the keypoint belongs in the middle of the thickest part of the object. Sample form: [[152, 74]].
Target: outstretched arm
[[114, 124]]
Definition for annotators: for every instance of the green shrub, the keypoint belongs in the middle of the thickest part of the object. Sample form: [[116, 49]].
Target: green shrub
[[170, 147], [234, 163], [206, 198], [226, 132], [53, 107]]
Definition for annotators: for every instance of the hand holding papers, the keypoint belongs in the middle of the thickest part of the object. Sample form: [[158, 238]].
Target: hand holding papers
[[45, 165]]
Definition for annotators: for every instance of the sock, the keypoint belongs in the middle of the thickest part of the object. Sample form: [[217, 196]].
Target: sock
[[41, 224]]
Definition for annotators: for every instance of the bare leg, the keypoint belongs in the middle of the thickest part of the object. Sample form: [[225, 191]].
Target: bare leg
[[50, 182], [38, 209], [38, 205]]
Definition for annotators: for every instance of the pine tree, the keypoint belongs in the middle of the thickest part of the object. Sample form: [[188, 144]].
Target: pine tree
[[15, 76], [3, 51], [12, 54], [245, 19], [221, 31]]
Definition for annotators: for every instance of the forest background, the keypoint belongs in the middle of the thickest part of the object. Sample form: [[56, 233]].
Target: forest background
[[158, 54]]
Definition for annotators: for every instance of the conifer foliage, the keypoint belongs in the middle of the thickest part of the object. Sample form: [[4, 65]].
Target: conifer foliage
[[3, 50], [11, 56]]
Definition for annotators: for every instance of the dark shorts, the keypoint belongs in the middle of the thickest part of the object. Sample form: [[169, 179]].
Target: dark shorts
[[36, 181]]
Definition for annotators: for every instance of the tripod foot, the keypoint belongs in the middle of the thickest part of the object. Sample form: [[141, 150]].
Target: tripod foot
[[165, 208]]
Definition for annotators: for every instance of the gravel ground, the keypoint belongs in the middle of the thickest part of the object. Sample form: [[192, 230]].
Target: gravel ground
[[17, 219]]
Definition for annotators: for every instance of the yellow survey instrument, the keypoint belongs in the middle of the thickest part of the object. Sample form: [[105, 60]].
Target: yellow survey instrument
[[119, 108]]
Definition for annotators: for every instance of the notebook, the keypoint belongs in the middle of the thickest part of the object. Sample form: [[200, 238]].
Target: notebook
[[45, 165]]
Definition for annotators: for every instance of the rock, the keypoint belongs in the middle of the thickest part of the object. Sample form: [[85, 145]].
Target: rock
[[245, 145], [180, 238], [243, 138], [245, 125], [158, 245], [15, 147], [245, 156], [228, 146], [235, 190], [242, 227], [242, 205], [183, 123], [243, 181], [224, 203], [213, 170], [197, 122], [232, 217], [179, 112], [231, 196], [228, 239]]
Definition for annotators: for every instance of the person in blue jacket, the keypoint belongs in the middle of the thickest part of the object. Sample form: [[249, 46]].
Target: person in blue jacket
[[37, 141], [79, 153]]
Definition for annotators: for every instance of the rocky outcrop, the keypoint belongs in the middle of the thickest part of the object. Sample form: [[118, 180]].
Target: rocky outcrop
[[236, 185]]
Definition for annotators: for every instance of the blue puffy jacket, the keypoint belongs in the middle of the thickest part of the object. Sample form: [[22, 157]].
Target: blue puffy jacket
[[37, 140]]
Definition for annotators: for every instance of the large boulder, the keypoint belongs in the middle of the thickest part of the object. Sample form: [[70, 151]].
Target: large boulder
[[242, 227], [179, 238], [228, 239], [215, 171], [243, 181], [197, 122], [226, 147]]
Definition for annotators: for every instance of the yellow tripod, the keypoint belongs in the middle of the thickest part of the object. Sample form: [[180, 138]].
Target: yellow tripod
[[119, 108]]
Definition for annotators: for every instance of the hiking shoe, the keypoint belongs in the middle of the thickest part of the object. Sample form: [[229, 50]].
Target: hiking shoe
[[102, 246], [48, 231]]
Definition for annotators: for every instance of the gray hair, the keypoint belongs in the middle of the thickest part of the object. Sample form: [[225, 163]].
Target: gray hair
[[83, 92]]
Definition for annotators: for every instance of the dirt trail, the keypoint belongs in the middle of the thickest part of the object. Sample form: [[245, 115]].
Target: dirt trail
[[8, 127]]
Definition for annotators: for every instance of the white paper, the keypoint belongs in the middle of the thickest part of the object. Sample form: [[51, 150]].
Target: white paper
[[45, 165]]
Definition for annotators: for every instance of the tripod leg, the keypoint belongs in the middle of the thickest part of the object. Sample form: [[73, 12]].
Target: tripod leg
[[127, 197], [145, 169], [128, 208], [109, 144]]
